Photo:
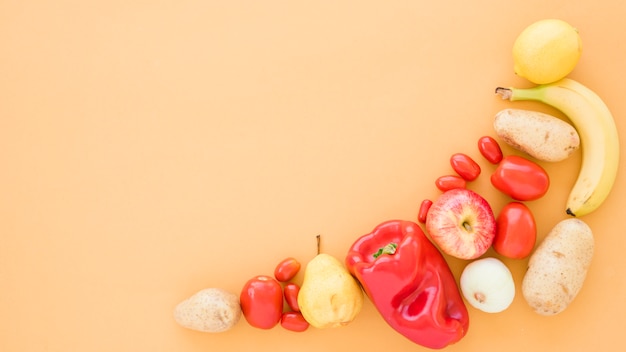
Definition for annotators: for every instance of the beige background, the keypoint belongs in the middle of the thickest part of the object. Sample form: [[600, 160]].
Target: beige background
[[150, 149]]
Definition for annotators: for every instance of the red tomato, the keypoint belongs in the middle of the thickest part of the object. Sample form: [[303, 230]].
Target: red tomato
[[465, 166], [490, 149], [262, 301], [520, 178], [291, 291], [294, 321], [448, 182], [516, 231], [423, 212], [286, 269]]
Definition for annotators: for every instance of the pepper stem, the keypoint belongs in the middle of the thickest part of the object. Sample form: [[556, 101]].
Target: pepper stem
[[388, 249]]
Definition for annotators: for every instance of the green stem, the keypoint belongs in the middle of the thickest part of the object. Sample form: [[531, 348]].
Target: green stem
[[514, 94], [388, 249]]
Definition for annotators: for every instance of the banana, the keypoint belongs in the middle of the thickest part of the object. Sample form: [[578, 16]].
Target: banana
[[598, 137]]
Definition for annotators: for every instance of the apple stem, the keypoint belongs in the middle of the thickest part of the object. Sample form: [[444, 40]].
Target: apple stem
[[467, 227]]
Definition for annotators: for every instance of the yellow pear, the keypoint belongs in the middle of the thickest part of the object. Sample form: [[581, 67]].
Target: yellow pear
[[329, 295]]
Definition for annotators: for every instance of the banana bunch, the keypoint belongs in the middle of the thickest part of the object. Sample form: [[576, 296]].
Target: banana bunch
[[598, 137]]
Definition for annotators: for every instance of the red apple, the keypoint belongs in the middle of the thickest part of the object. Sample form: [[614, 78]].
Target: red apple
[[461, 223]]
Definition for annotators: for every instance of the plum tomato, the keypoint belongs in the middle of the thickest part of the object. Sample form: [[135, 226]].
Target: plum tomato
[[448, 182], [262, 301], [291, 291], [520, 178], [294, 321], [286, 269], [465, 166], [516, 231], [490, 149], [423, 211]]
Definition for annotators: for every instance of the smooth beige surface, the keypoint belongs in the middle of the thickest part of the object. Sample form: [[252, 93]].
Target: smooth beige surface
[[150, 149]]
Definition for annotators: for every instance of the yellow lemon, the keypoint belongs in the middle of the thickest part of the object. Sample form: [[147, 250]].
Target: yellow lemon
[[546, 51]]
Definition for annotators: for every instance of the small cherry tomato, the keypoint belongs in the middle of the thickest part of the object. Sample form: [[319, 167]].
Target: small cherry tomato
[[448, 182], [286, 269], [465, 166], [294, 321], [262, 301], [490, 149], [423, 212], [291, 296], [516, 231], [520, 178]]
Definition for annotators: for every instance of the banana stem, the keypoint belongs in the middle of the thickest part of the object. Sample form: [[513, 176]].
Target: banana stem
[[514, 94], [504, 93]]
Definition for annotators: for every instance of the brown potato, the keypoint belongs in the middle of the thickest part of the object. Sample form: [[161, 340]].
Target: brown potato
[[209, 310], [558, 267], [539, 135]]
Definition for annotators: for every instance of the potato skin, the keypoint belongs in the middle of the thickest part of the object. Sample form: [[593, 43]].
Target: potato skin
[[558, 267], [209, 310], [539, 135]]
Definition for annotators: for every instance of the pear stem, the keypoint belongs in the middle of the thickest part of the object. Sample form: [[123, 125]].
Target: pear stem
[[318, 238]]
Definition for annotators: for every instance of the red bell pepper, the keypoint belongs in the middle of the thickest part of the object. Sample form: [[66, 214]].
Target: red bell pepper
[[408, 280]]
